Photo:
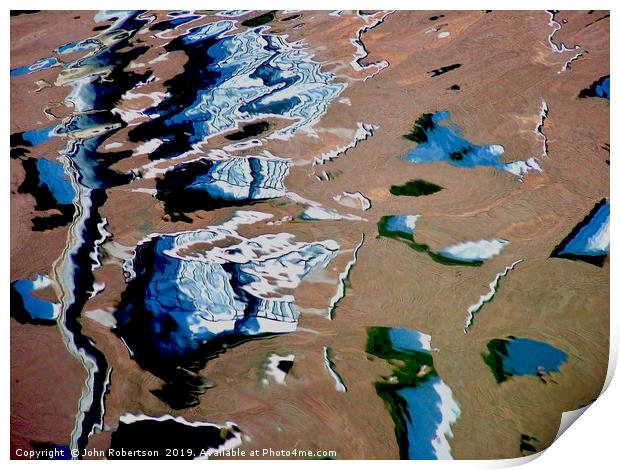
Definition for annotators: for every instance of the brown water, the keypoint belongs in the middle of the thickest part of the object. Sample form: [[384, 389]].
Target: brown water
[[214, 204]]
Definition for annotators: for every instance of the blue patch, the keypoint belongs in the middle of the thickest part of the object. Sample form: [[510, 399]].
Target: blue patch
[[424, 409], [402, 223], [36, 308], [444, 142], [37, 66], [522, 357], [241, 179], [602, 90], [38, 136], [52, 176], [421, 404], [593, 238], [78, 46], [279, 81], [404, 339], [527, 357], [187, 303]]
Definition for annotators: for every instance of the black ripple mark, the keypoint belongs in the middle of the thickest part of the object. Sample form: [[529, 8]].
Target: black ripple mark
[[442, 70], [159, 437], [260, 20]]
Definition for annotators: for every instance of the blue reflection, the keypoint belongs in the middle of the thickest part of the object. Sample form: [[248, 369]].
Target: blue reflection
[[36, 308], [178, 304], [52, 176], [421, 404], [38, 136], [522, 356], [37, 66], [438, 140], [593, 238], [602, 90]]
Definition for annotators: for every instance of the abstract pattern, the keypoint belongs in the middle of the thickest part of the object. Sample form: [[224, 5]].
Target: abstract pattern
[[306, 234]]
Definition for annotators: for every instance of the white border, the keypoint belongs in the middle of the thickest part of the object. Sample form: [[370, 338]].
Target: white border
[[592, 442]]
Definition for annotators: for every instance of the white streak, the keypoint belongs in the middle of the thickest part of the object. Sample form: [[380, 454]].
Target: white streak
[[486, 298], [567, 64], [229, 444], [556, 27], [354, 200], [475, 250], [361, 53], [562, 47], [450, 412], [320, 213], [329, 365], [363, 132], [274, 371], [342, 279], [544, 112]]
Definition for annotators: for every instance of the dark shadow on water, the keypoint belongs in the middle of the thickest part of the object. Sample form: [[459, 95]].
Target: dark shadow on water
[[415, 188]]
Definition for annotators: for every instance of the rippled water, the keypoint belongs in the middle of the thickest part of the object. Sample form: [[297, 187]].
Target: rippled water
[[238, 224]]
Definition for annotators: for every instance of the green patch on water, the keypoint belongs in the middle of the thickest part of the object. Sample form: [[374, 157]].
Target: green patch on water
[[410, 369], [408, 239], [498, 349], [415, 188], [260, 20], [407, 364]]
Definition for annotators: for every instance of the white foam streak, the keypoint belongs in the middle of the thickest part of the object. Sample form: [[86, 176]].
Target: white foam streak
[[486, 298], [371, 21], [450, 412], [354, 200], [274, 371], [229, 444], [329, 365], [363, 132], [342, 279]]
